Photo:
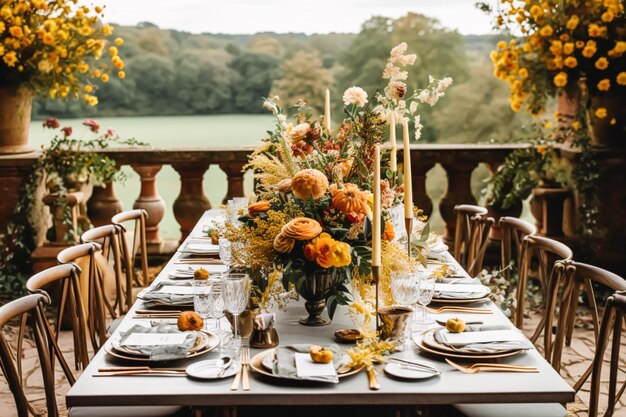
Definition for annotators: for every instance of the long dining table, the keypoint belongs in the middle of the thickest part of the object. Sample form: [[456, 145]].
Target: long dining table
[[450, 387]]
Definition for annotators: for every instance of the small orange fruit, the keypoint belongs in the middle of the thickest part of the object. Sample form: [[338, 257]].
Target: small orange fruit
[[455, 325], [320, 354], [201, 274], [189, 320]]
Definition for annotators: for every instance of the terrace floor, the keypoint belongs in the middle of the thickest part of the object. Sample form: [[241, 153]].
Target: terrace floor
[[575, 361]]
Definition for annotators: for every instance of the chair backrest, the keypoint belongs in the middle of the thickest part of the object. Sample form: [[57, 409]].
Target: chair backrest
[[546, 252], [612, 322], [471, 236], [92, 288], [29, 312], [109, 237], [573, 278], [138, 246], [63, 280], [513, 232]]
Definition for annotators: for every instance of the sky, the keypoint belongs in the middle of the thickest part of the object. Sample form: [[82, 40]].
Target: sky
[[283, 16]]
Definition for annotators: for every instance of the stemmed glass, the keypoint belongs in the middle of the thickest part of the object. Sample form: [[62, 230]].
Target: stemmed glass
[[226, 254], [405, 289], [235, 292], [426, 290], [217, 310], [203, 299]]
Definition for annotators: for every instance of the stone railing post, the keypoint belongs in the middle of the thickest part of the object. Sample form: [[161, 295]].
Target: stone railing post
[[418, 174], [459, 191], [150, 200], [235, 179], [103, 204], [191, 203]]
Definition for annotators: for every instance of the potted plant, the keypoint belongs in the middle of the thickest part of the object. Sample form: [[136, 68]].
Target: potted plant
[[558, 46], [53, 49]]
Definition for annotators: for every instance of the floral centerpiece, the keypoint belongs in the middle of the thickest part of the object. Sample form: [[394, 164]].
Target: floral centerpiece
[[55, 49], [562, 45], [310, 226]]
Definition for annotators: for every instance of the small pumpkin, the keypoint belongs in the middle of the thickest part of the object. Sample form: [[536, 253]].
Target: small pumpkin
[[455, 325], [350, 199], [320, 354]]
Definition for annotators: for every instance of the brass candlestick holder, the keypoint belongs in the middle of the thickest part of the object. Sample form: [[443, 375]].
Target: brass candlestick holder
[[376, 276], [408, 224]]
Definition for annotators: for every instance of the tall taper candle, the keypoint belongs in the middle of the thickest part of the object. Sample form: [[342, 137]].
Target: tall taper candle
[[327, 109], [408, 183], [376, 226], [393, 158]]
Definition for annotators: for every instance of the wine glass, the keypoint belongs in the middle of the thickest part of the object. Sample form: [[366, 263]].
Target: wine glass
[[235, 292], [426, 290], [405, 289], [225, 251], [217, 310], [203, 299]]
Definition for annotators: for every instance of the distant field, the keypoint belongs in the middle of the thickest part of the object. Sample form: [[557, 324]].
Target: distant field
[[202, 131]]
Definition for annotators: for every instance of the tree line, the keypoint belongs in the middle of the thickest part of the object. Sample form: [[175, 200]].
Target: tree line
[[171, 72]]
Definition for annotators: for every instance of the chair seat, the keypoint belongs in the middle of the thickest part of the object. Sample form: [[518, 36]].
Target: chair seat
[[134, 411], [512, 410]]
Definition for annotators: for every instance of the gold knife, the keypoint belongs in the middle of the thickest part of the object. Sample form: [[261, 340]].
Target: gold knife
[[374, 385]]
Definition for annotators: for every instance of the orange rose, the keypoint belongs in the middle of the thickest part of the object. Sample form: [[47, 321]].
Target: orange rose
[[284, 186], [341, 254], [350, 199], [283, 244], [389, 233], [310, 252], [330, 252], [301, 228], [258, 207], [309, 183]]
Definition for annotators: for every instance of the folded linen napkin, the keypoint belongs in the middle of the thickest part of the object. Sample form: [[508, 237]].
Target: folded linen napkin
[[133, 341], [510, 339], [154, 296], [460, 291], [284, 363]]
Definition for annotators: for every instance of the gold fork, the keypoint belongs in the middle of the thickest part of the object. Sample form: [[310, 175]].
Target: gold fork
[[491, 367], [245, 362], [453, 309]]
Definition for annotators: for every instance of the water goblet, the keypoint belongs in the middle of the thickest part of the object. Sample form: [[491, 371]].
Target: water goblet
[[235, 292], [203, 299], [225, 247], [426, 290], [405, 290], [217, 310]]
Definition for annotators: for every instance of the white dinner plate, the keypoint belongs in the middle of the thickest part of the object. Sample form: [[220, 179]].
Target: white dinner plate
[[397, 370], [208, 370]]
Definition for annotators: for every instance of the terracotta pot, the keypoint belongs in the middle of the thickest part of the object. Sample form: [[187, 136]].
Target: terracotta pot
[[15, 111], [103, 205], [603, 133]]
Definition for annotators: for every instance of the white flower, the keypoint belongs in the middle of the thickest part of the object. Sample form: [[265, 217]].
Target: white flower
[[444, 84], [398, 50], [413, 107], [394, 73], [396, 89], [270, 105], [355, 95], [297, 133], [418, 127], [282, 119], [407, 59]]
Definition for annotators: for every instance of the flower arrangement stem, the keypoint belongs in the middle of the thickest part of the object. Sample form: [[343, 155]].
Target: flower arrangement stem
[[376, 276], [408, 223]]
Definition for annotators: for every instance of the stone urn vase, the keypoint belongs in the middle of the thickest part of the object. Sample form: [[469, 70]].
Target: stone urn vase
[[15, 111], [315, 289]]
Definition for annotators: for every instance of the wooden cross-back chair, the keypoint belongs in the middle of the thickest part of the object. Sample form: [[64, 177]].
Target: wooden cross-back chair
[[513, 232], [138, 245], [612, 322], [471, 236], [67, 280], [546, 252], [92, 288], [108, 237], [570, 280], [29, 312]]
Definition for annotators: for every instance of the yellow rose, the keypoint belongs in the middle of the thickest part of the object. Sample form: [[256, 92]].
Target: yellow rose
[[620, 47], [570, 62], [602, 63], [536, 11], [556, 48], [607, 16], [589, 51], [527, 47], [121, 75], [580, 44], [595, 30], [576, 125], [113, 51], [568, 48], [105, 78], [621, 78], [572, 22], [546, 31], [601, 113], [501, 45], [560, 80], [523, 73], [93, 101], [613, 121], [119, 41], [88, 88], [10, 58], [604, 85]]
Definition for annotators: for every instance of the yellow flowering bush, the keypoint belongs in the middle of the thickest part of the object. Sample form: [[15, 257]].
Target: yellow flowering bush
[[560, 43], [57, 48]]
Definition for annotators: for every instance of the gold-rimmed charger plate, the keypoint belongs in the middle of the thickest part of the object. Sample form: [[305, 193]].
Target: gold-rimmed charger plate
[[417, 339], [208, 342], [256, 364]]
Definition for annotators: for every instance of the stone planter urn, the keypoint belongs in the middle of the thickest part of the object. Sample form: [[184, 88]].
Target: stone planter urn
[[15, 111]]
